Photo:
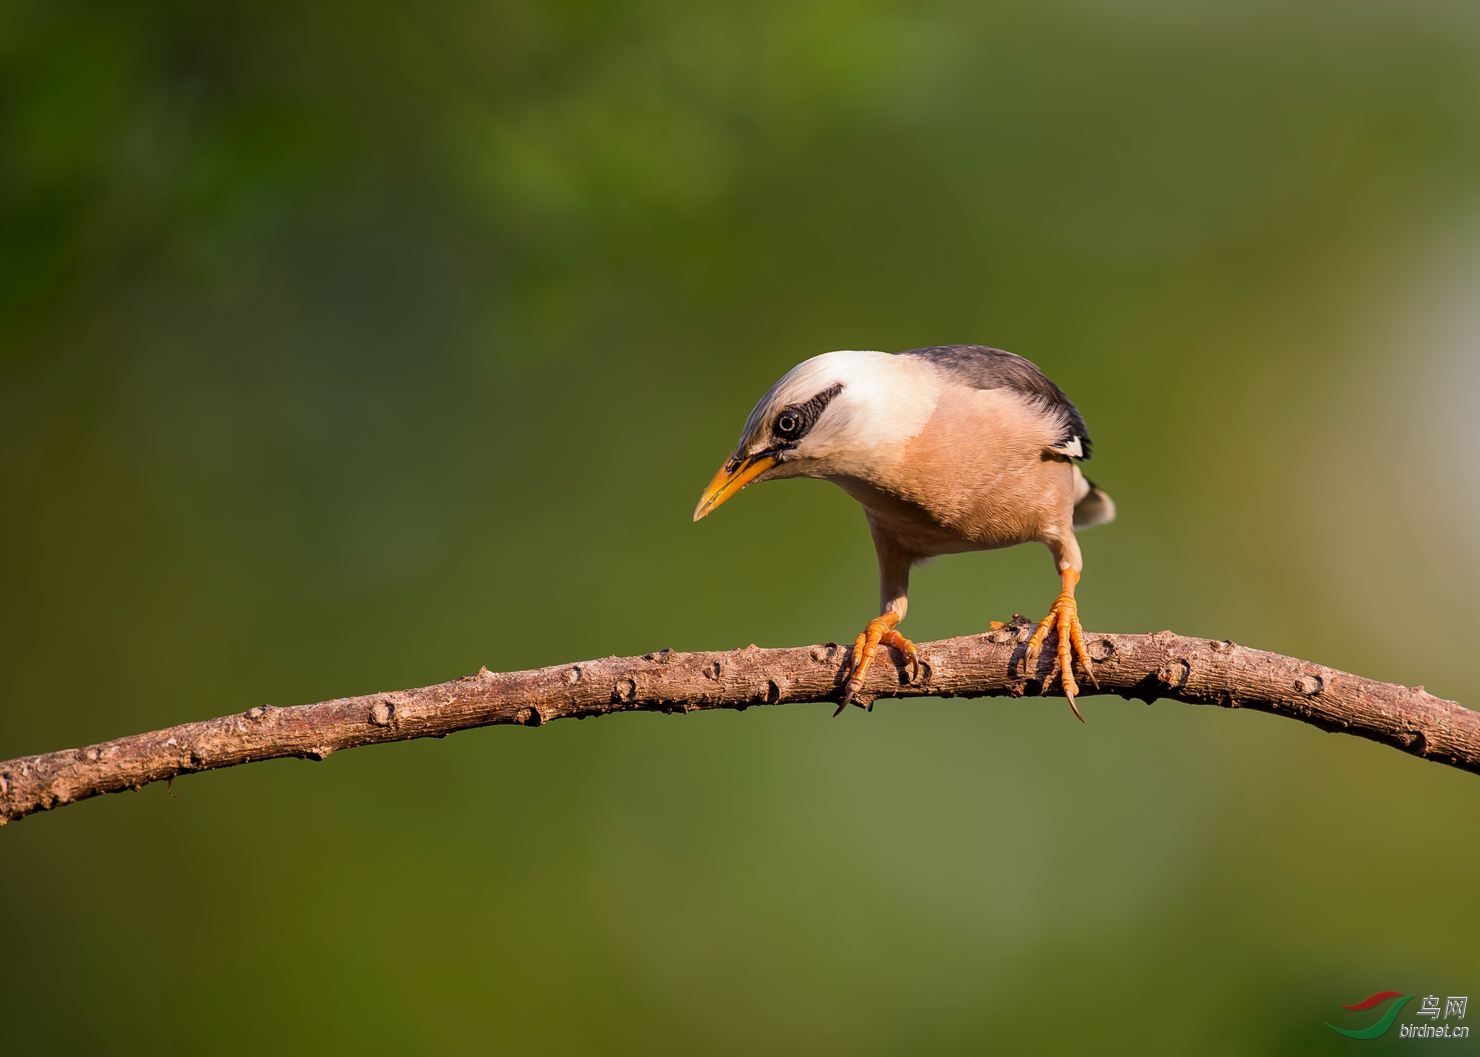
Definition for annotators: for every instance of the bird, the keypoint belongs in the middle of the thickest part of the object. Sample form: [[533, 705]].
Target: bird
[[949, 449]]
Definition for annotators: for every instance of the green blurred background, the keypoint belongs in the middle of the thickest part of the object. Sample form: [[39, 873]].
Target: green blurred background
[[350, 347]]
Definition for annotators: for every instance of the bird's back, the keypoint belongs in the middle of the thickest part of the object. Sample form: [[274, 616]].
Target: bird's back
[[983, 368], [995, 465]]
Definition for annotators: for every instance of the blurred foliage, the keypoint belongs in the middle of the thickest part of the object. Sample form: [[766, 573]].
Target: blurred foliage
[[347, 347]]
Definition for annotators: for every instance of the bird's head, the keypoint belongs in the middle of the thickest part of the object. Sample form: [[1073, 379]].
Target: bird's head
[[826, 417]]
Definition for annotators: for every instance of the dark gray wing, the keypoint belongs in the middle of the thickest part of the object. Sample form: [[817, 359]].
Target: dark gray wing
[[984, 368]]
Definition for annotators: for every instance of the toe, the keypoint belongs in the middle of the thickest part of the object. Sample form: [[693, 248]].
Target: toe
[[865, 648], [1081, 653], [908, 651]]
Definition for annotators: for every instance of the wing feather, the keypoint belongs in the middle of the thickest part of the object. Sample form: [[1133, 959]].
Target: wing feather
[[984, 368]]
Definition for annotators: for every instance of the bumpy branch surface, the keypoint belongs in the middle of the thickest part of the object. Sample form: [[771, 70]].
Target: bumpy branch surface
[[1146, 667]]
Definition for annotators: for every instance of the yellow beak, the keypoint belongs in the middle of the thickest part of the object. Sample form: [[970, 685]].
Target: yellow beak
[[727, 482]]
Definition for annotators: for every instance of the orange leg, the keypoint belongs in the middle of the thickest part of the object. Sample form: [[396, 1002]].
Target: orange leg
[[880, 632], [1063, 619]]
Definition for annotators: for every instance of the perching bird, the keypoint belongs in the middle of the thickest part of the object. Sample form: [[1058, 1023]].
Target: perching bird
[[951, 448]]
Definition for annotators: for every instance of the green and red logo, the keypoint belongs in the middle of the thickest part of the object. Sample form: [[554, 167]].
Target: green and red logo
[[1435, 1009], [1382, 1024]]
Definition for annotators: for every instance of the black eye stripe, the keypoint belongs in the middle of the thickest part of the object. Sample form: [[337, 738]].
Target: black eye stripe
[[794, 421]]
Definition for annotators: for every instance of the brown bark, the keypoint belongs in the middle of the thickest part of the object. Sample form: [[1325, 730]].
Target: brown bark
[[1147, 667]]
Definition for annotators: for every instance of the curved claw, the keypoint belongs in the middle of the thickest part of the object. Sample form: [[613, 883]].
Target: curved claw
[[879, 632]]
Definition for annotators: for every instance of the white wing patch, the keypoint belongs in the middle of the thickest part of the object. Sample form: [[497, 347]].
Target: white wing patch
[[1073, 447]]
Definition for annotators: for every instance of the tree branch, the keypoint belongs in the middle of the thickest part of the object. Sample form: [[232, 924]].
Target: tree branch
[[1146, 667]]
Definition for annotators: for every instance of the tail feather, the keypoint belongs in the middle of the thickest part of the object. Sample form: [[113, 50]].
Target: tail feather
[[1092, 504]]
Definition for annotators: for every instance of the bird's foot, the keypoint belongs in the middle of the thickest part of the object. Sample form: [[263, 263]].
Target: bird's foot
[[1063, 619], [880, 632]]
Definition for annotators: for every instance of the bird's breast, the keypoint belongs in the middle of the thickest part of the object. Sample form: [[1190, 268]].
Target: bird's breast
[[915, 527], [975, 478]]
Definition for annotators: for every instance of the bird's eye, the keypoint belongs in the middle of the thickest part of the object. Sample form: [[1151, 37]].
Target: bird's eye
[[788, 423]]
